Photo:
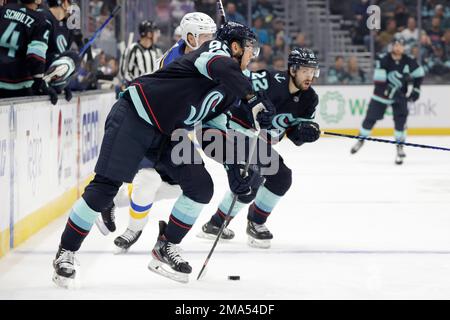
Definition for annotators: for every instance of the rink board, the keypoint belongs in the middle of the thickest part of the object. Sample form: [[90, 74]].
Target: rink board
[[47, 153], [342, 109], [53, 150]]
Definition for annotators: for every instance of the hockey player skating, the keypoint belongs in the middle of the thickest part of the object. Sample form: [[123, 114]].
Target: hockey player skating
[[23, 49], [295, 101], [393, 71], [148, 185], [197, 87]]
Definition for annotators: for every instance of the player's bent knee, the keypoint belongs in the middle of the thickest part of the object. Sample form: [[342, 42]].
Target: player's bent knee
[[281, 182]]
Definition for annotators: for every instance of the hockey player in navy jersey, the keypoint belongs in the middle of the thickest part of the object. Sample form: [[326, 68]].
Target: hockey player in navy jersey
[[393, 71], [61, 63], [149, 185], [295, 101], [195, 88], [23, 48]]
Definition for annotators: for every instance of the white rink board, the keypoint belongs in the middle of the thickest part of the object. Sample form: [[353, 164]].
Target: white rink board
[[49, 144], [344, 107], [4, 168]]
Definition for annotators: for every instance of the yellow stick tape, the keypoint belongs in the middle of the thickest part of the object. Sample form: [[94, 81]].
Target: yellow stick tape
[[35, 221], [4, 242]]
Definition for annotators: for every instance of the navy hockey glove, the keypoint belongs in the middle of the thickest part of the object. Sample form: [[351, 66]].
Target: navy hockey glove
[[40, 87], [414, 96], [238, 184], [265, 116], [305, 131], [68, 94]]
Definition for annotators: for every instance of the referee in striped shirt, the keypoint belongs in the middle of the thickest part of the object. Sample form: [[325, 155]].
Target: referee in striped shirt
[[141, 58]]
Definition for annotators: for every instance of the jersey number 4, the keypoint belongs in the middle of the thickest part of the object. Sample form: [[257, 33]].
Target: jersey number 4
[[10, 39]]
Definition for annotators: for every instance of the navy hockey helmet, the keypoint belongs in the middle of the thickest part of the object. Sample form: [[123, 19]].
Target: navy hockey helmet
[[303, 57], [233, 31], [147, 26]]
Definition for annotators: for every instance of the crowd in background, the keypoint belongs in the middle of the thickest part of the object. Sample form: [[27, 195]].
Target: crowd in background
[[431, 46], [398, 16]]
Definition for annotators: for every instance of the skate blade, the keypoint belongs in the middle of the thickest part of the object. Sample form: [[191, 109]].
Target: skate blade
[[399, 161], [160, 268], [258, 243], [101, 226], [208, 236], [63, 282]]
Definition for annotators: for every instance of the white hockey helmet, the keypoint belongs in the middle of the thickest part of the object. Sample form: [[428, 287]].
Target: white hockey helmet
[[196, 23]]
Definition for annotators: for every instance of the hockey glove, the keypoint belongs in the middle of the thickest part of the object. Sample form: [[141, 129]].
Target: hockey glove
[[414, 96], [242, 185], [265, 116], [40, 87], [305, 131], [68, 94]]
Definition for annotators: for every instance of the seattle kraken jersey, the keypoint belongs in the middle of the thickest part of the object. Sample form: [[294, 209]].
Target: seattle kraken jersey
[[59, 38], [23, 46], [291, 109], [192, 89], [391, 77]]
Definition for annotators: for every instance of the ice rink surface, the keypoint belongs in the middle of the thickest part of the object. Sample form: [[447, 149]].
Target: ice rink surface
[[351, 227]]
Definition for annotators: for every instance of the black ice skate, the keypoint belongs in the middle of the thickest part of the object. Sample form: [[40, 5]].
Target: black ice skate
[[64, 265], [258, 235], [126, 240], [400, 154], [167, 260], [357, 146], [105, 221], [210, 231]]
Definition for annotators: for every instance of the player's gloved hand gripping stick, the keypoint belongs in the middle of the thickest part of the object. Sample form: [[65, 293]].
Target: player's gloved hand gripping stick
[[257, 109]]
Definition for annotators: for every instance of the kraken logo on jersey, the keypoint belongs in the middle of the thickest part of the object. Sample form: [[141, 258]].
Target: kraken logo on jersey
[[284, 120], [61, 42], [210, 102]]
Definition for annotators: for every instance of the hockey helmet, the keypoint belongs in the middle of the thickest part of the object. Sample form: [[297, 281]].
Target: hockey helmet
[[196, 23], [147, 26], [233, 31], [60, 70], [304, 57]]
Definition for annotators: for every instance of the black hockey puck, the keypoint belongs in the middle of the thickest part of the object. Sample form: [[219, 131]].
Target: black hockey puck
[[234, 278]]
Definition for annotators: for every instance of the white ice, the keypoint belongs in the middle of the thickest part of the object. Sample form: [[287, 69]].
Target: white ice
[[351, 227]]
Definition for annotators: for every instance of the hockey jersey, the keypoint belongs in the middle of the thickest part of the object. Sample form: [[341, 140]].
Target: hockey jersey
[[23, 46], [192, 89], [391, 77], [291, 109]]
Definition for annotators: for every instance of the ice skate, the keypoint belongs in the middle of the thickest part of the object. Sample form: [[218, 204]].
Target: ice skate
[[400, 155], [357, 146], [210, 231], [126, 240], [258, 235], [105, 221], [64, 265], [167, 260]]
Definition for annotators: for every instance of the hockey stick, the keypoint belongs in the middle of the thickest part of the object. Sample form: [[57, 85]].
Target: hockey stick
[[255, 111], [99, 30], [223, 16], [385, 141]]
